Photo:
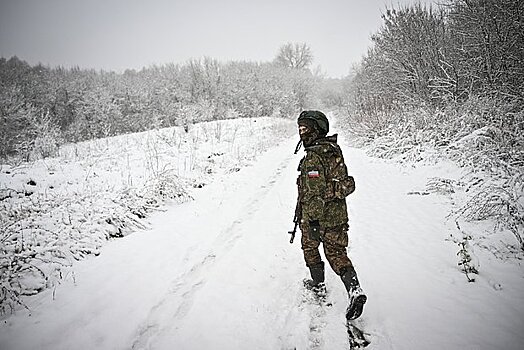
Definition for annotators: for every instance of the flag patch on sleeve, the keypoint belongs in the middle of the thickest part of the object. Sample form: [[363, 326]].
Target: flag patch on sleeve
[[313, 174]]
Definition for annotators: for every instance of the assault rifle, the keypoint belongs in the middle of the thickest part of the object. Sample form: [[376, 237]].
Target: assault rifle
[[296, 219]]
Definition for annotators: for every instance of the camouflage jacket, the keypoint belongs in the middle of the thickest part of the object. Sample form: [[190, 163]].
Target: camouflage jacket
[[323, 184]]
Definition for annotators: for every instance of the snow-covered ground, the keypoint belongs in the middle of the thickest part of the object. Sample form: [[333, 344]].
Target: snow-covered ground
[[218, 272], [57, 210]]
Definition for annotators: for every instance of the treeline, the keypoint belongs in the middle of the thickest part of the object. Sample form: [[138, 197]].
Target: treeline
[[432, 57], [42, 107], [450, 78]]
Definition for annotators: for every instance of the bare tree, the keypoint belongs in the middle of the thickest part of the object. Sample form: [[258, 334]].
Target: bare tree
[[294, 55]]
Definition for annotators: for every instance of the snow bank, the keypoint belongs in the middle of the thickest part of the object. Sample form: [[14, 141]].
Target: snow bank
[[59, 210]]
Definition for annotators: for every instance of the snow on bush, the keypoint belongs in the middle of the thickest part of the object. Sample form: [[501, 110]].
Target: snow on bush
[[54, 211], [484, 137]]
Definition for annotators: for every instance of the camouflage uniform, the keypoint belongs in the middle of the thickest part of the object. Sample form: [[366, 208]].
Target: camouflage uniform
[[322, 190], [323, 185]]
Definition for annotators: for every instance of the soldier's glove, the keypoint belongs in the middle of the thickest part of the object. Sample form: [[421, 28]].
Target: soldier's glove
[[314, 230]]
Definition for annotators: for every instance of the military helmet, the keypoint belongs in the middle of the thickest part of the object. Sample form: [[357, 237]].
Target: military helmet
[[320, 122]]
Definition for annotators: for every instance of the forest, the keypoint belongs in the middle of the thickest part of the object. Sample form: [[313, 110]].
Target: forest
[[42, 108], [448, 82]]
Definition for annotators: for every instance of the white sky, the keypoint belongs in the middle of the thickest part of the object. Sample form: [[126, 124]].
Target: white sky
[[120, 34]]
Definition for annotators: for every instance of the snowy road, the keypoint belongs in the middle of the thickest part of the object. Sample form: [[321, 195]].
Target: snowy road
[[218, 273]]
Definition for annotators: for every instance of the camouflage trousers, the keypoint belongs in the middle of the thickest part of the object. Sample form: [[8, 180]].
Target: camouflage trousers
[[334, 241]]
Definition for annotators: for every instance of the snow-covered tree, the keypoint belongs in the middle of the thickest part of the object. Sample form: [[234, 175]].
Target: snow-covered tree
[[294, 55]]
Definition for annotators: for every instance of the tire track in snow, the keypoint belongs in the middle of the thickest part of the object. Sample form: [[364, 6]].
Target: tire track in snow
[[171, 309]]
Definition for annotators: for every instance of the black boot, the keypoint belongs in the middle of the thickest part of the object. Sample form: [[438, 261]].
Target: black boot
[[316, 283], [356, 296]]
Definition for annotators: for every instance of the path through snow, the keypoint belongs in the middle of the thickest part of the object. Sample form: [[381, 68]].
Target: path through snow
[[218, 273]]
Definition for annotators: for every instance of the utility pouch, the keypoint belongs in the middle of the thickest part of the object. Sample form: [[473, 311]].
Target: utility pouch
[[343, 188], [314, 230]]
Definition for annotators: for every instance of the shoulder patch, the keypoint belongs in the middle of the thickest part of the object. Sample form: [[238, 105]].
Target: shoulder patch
[[313, 174]]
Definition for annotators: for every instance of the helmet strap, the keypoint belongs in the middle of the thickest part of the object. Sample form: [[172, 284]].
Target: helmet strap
[[299, 144]]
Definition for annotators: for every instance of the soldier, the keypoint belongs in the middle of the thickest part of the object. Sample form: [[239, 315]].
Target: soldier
[[323, 185]]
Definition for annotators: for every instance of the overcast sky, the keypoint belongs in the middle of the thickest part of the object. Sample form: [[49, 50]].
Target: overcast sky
[[120, 34]]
